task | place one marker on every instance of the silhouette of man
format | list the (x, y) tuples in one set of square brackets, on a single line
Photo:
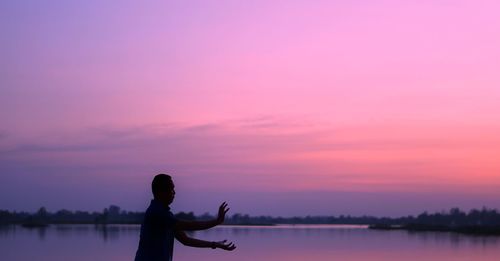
[(160, 226)]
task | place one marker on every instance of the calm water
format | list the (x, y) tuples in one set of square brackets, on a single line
[(119, 242)]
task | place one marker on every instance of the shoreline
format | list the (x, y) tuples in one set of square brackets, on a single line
[(468, 230)]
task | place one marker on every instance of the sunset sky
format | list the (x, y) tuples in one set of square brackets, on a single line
[(279, 107)]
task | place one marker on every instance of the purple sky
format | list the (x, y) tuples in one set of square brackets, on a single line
[(278, 107)]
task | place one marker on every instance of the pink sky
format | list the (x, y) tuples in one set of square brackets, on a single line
[(279, 107)]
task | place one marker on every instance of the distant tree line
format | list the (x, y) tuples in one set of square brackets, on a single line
[(475, 222), (111, 215), (114, 215)]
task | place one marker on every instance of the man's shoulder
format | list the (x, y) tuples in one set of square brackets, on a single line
[(157, 209)]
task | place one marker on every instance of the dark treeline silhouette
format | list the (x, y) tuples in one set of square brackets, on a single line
[(114, 215), (480, 222), (111, 215)]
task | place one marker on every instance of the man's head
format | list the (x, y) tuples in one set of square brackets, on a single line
[(163, 188)]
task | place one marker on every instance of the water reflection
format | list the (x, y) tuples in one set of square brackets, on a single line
[(119, 242), (114, 232), (6, 230), (105, 232), (453, 239)]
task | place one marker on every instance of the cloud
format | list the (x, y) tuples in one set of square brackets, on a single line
[(283, 157), (243, 153), (260, 137)]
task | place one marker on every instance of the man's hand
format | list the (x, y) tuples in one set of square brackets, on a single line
[(223, 245), (201, 225), (222, 213)]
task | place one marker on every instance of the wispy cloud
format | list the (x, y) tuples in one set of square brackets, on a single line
[(244, 152)]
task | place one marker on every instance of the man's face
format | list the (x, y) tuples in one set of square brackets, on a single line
[(170, 195), (167, 195)]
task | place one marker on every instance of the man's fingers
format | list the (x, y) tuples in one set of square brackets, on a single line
[(230, 246), (223, 205), (223, 209)]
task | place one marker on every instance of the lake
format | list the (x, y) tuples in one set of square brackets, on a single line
[(283, 242)]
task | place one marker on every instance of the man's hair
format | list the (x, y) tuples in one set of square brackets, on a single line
[(161, 182)]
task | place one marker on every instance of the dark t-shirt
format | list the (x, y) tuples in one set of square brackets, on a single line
[(157, 234)]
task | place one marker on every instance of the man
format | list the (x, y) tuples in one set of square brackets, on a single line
[(159, 226)]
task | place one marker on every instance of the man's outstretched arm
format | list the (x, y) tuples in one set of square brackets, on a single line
[(201, 225), (193, 242)]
